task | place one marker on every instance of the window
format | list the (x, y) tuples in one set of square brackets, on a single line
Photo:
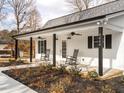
[(108, 40), (96, 41), (89, 42), (42, 46), (64, 49)]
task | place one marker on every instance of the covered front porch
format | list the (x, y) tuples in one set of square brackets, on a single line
[(95, 41)]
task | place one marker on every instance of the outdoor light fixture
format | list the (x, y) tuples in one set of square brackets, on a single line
[(102, 22), (73, 33)]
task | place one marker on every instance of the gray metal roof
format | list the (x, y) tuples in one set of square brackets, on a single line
[(105, 9)]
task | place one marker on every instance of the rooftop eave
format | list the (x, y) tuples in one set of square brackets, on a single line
[(59, 26)]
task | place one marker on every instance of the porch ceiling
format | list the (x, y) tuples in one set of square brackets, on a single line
[(63, 30), (80, 27)]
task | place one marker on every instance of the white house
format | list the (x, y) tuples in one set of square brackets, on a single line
[(97, 32)]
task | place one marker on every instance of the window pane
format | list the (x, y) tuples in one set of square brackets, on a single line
[(64, 49), (42, 47), (39, 51), (96, 41)]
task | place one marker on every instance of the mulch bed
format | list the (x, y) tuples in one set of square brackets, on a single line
[(41, 81)]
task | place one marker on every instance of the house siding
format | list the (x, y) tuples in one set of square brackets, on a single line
[(113, 58)]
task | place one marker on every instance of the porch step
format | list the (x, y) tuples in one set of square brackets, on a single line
[(111, 74)]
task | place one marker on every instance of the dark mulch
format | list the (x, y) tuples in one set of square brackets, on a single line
[(41, 80)]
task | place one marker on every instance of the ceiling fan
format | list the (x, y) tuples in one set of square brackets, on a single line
[(73, 33)]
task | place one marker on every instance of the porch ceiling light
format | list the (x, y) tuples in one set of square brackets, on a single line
[(103, 22)]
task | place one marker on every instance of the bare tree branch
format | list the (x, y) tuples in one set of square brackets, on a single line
[(21, 9), (79, 5), (2, 14), (34, 21)]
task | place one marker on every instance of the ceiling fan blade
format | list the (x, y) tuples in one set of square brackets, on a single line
[(79, 34)]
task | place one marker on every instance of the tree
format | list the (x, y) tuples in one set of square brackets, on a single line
[(79, 5), (34, 21), (21, 10), (2, 3)]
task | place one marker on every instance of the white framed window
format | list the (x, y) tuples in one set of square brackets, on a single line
[(42, 46), (64, 48)]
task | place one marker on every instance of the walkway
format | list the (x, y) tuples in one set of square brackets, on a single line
[(9, 85)]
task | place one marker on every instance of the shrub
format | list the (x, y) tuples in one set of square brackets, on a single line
[(57, 88), (122, 79), (75, 71), (93, 74), (41, 67), (61, 86), (49, 67), (62, 69), (29, 72), (107, 89)]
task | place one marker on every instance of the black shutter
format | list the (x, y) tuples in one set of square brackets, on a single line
[(39, 49), (89, 42), (45, 46), (108, 39)]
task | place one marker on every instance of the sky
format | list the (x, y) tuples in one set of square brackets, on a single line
[(48, 9)]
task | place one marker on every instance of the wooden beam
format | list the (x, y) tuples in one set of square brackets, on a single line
[(54, 49), (100, 59), (31, 47), (16, 49)]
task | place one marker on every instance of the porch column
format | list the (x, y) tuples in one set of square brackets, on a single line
[(16, 48), (100, 58), (31, 49), (54, 49)]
